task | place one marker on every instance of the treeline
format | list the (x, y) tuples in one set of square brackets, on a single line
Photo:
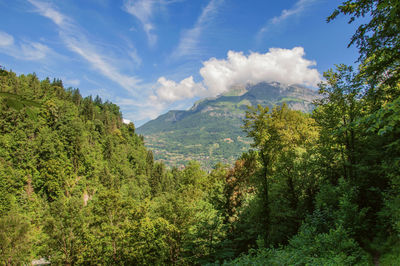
[(77, 186), (327, 186)]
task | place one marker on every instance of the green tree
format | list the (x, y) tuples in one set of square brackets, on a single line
[(378, 39), (337, 113), (275, 134), (64, 225), (15, 239)]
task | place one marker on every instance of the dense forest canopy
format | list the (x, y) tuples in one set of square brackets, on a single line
[(77, 186)]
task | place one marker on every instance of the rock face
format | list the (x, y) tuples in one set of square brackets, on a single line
[(210, 131)]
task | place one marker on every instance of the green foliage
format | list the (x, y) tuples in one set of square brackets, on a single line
[(64, 229), (210, 131), (18, 103), (281, 137), (378, 39), (81, 178), (77, 186), (15, 239), (310, 248), (346, 177), (392, 256)]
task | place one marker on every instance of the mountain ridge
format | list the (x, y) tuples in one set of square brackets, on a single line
[(210, 131)]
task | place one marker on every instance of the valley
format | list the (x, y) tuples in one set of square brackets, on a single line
[(210, 132)]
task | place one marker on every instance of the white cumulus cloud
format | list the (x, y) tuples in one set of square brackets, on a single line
[(286, 66), (126, 121), (170, 91)]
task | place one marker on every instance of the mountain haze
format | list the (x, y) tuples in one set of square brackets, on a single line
[(210, 131)]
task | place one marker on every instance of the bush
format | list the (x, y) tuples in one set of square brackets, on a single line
[(310, 248)]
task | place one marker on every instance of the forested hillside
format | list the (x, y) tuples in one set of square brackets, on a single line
[(78, 187), (211, 131)]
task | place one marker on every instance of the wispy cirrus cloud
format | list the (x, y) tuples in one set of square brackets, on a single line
[(71, 82), (33, 51), (76, 41), (23, 50), (188, 44), (6, 39), (297, 9), (143, 10), (46, 10), (142, 111), (133, 54)]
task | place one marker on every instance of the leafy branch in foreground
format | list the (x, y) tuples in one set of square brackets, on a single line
[(378, 40)]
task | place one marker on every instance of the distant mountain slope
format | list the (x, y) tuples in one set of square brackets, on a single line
[(210, 131)]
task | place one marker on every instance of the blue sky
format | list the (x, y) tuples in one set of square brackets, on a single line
[(150, 56)]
